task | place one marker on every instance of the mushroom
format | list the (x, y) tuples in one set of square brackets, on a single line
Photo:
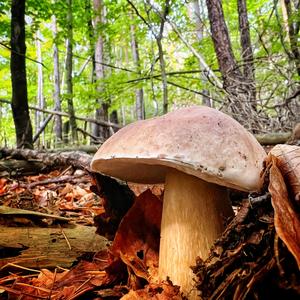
[(197, 152)]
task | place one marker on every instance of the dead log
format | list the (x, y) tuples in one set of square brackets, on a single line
[(273, 138), (90, 149), (10, 212), (76, 159), (13, 167), (38, 248)]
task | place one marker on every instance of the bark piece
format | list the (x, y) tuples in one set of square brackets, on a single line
[(49, 247)]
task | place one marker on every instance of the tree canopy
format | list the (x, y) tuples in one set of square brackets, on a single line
[(177, 62)]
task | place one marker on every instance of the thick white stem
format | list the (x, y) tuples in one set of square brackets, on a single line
[(193, 216)]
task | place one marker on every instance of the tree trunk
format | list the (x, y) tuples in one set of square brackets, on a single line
[(56, 93), (139, 93), (162, 63), (234, 82), (40, 90), (247, 54), (163, 75), (18, 76), (69, 76), (199, 33), (293, 30), (102, 110)]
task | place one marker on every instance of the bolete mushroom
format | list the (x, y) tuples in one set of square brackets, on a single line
[(197, 152)]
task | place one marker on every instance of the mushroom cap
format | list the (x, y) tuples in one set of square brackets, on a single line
[(197, 140)]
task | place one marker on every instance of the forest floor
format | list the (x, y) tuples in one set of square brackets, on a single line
[(68, 234)]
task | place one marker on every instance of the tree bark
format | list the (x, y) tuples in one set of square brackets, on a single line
[(69, 69), (18, 76), (234, 82), (247, 53)]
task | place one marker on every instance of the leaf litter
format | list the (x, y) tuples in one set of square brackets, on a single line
[(257, 257)]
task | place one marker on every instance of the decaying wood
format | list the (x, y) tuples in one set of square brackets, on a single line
[(273, 138), (13, 167), (38, 248), (75, 159), (90, 149), (9, 211)]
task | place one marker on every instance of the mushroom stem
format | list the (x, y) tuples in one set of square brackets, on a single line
[(193, 218)]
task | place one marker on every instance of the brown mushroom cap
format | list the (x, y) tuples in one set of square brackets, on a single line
[(198, 140)]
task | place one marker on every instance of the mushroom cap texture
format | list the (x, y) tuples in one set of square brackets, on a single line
[(197, 140)]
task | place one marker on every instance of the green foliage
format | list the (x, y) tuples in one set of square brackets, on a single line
[(270, 43)]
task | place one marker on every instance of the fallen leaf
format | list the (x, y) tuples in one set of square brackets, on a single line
[(286, 219), (162, 291), (3, 182), (288, 161), (137, 239)]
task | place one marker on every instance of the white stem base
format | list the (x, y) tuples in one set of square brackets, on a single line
[(193, 216)]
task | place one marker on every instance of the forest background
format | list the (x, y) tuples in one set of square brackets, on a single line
[(91, 67)]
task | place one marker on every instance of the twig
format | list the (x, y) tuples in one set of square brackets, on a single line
[(66, 238), (21, 54)]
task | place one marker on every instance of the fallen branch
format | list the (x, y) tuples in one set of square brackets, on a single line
[(76, 159), (273, 138)]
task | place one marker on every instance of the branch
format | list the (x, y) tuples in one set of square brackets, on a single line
[(63, 114), (208, 71), (141, 17), (21, 54)]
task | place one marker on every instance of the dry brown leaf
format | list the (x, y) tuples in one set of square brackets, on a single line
[(138, 189), (286, 219), (288, 161), (162, 291), (3, 182), (137, 239)]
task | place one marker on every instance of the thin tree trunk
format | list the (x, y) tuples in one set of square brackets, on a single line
[(40, 90), (69, 76), (139, 93), (293, 30), (162, 63), (56, 93), (102, 110), (163, 75), (18, 76), (247, 53), (199, 33)]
